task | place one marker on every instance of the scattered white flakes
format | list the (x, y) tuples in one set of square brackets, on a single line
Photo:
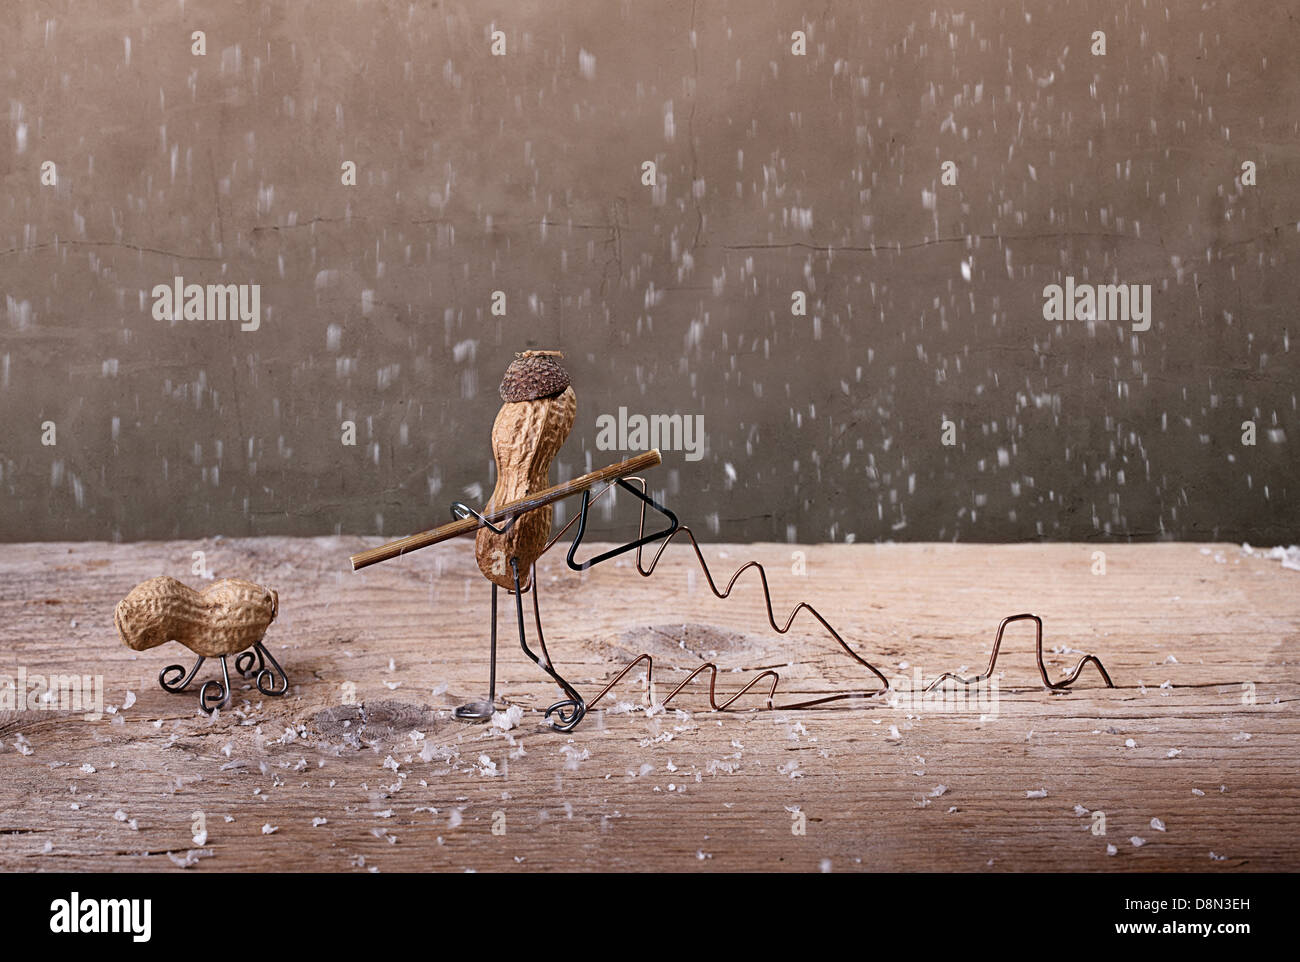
[(269, 829), (1173, 753), (573, 755), (1081, 811), (1197, 792), (1137, 841), (386, 813), (1036, 793), (190, 858), (1158, 824), (1130, 743), (702, 855), (1241, 737), (1171, 660), (453, 820), (952, 809), (938, 791), (392, 685), (508, 719), (670, 766), (1218, 858), (825, 866), (88, 769), (120, 815), (128, 701), (894, 734), (790, 768), (391, 762), (922, 803), (1111, 850), (226, 748), (486, 766), (201, 839), (318, 822)]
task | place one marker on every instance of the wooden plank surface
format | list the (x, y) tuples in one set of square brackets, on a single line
[(1200, 732)]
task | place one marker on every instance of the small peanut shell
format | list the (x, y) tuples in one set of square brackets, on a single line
[(224, 618)]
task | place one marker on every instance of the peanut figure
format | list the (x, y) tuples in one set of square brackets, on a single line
[(536, 415), (225, 618)]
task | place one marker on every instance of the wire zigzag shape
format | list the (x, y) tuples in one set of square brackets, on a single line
[(711, 667), (1065, 682)]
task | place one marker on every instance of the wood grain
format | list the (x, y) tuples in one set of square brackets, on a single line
[(1185, 631)]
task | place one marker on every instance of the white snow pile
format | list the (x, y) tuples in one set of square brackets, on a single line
[(1290, 557), (508, 719)]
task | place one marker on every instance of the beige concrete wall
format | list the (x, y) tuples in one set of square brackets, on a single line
[(522, 173)]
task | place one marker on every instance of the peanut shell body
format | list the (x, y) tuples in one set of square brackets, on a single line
[(525, 439), (225, 618)]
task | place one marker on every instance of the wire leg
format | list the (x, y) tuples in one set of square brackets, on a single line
[(483, 710), (220, 693), (571, 710), (244, 662), (492, 669), (176, 671), (266, 682)]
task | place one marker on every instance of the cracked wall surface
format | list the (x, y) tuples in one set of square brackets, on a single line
[(775, 174)]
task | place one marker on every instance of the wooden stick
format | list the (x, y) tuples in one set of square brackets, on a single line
[(395, 549)]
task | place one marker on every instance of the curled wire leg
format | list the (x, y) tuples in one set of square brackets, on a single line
[(220, 693), (571, 710), (244, 662), (177, 671), (266, 682), (1065, 682)]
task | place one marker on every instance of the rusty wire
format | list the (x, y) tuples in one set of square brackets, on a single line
[(1065, 682), (711, 667), (772, 674)]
